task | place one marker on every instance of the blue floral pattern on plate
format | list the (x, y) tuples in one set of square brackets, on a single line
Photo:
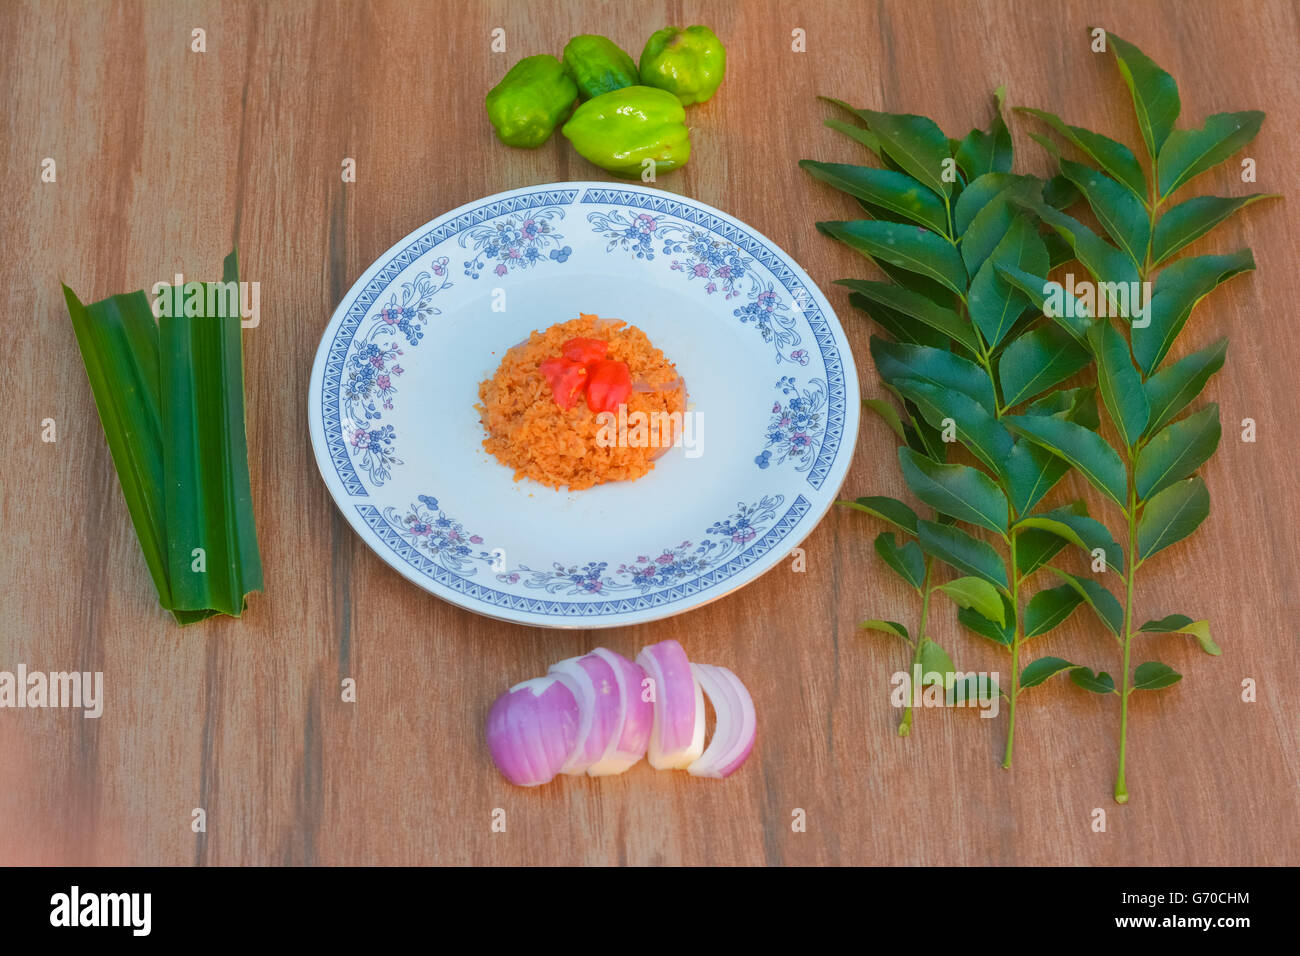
[(516, 242), (798, 421), (427, 527), (717, 263), (373, 367)]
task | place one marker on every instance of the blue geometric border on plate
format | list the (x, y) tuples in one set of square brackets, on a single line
[(665, 203), (413, 557)]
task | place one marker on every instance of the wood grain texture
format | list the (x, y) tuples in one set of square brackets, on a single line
[(167, 157)]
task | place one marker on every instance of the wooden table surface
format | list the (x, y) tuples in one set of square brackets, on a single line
[(166, 157)]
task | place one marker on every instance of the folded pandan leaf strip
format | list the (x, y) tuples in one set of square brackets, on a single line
[(171, 402)]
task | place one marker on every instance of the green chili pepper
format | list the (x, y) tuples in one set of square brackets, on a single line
[(620, 130), (598, 65), (530, 101), (688, 63)]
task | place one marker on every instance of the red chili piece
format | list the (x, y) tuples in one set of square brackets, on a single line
[(583, 369), (567, 380), (609, 383)]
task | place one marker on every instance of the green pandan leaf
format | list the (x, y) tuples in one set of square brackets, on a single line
[(961, 491), (170, 396), (1155, 94), (1172, 515), (1037, 360), (118, 339), (1188, 221), (960, 550), (895, 361), (906, 560), (896, 192), (1048, 609), (887, 509), (1084, 450), (1170, 389), (1178, 288), (914, 142), (209, 501), (887, 627), (974, 425), (1114, 157), (1176, 452), (1042, 670), (1182, 624), (887, 413), (1084, 532), (1119, 382), (1189, 152), (1099, 683), (1120, 213), (1105, 604), (978, 595), (918, 307), (1153, 676), (994, 303), (911, 248)]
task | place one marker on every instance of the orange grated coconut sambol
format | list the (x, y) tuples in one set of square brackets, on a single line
[(529, 429)]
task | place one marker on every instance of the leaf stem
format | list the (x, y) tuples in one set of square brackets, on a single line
[(1131, 559), (905, 726), (1121, 784), (1015, 655)]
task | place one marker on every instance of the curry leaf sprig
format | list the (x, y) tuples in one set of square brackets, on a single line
[(967, 349), (1150, 479)]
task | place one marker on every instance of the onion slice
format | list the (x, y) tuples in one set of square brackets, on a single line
[(677, 734), (532, 730), (635, 717), (736, 722), (592, 681)]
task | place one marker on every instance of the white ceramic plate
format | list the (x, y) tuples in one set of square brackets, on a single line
[(772, 387)]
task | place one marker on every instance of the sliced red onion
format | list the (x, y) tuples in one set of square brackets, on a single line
[(635, 717), (532, 729), (593, 683), (677, 735), (736, 722)]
